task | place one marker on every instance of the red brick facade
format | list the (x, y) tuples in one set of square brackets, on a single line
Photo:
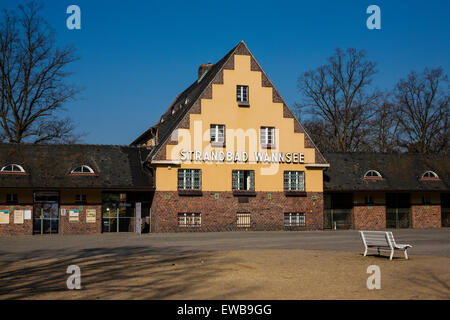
[(81, 226), (369, 217), (218, 211), (15, 229), (425, 216)]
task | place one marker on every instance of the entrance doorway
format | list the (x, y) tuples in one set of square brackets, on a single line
[(338, 214), (46, 213), (117, 214), (118, 218), (398, 213)]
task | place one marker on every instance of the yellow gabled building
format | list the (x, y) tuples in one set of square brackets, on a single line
[(230, 154)]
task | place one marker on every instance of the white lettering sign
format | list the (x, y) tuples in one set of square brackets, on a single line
[(260, 157)]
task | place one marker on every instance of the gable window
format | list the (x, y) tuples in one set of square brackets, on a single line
[(217, 135), (82, 170), (267, 137), (430, 175), (189, 179), (242, 95), (189, 220), (294, 181), (294, 219), (243, 180), (12, 198), (80, 199), (372, 174), (12, 168)]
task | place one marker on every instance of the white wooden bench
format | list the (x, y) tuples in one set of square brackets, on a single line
[(382, 241)]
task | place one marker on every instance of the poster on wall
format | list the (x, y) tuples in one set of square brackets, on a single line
[(18, 216), (4, 216), (73, 215), (27, 214), (91, 214)]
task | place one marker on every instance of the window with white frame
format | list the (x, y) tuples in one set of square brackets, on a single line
[(83, 169), (267, 136), (430, 174), (372, 174), (242, 93), (13, 168), (189, 219), (294, 181), (243, 180), (294, 219), (217, 133), (189, 179), (243, 220)]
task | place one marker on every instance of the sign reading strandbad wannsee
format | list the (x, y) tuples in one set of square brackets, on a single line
[(260, 157)]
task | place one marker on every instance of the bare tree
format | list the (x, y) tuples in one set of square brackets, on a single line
[(385, 128), (338, 94), (32, 71), (423, 107)]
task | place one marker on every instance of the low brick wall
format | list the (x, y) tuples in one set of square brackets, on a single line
[(15, 229), (369, 217), (218, 211), (425, 216), (81, 226)]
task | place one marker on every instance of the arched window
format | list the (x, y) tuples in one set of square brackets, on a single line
[(13, 168), (372, 174), (82, 170), (430, 175)]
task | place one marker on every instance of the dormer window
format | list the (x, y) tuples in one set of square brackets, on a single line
[(13, 168), (242, 95), (373, 174), (430, 175), (83, 170)]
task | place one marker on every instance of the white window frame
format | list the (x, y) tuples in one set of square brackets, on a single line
[(297, 179), (214, 133), (266, 134), (84, 169), (243, 219), (16, 168), (246, 179), (189, 219), (432, 173), (296, 219), (377, 174), (192, 186), (240, 96)]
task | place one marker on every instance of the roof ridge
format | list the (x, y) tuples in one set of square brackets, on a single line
[(217, 67)]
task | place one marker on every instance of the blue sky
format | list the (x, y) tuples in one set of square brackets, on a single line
[(136, 56)]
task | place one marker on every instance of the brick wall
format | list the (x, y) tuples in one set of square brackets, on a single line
[(425, 216), (220, 214), (369, 217), (81, 226), (13, 229)]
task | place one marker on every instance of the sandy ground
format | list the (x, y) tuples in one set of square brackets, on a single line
[(249, 274)]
